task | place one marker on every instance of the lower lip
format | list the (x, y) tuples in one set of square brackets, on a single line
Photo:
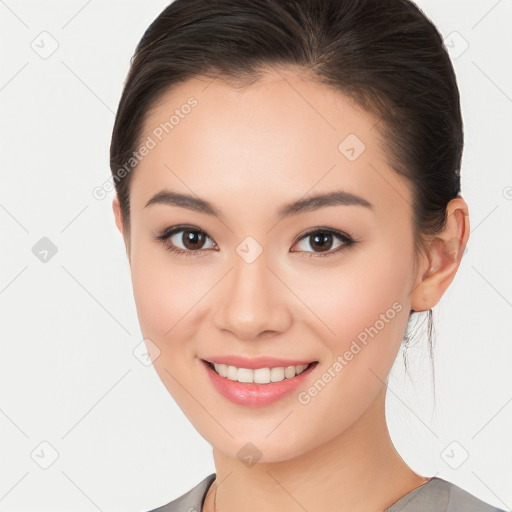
[(255, 395)]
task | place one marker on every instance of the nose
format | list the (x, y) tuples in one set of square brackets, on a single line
[(253, 303)]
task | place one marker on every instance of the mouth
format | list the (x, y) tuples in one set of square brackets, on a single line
[(258, 387)]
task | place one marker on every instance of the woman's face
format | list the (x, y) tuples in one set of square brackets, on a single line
[(257, 283)]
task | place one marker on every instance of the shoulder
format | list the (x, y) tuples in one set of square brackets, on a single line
[(191, 501), (439, 495)]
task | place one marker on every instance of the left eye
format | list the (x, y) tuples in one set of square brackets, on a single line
[(323, 239)]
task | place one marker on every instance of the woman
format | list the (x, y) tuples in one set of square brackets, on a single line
[(288, 189)]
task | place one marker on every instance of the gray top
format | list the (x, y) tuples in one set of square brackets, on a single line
[(437, 495)]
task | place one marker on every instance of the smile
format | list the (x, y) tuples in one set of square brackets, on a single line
[(257, 387), (259, 375)]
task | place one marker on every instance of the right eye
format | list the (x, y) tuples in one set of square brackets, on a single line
[(191, 238)]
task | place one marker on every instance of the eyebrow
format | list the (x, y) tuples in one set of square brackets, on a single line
[(309, 204)]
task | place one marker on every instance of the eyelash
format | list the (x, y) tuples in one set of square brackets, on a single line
[(347, 240)]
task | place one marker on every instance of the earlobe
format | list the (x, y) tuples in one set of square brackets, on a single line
[(443, 258)]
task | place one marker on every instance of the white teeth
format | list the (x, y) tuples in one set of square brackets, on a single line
[(277, 374), (260, 375)]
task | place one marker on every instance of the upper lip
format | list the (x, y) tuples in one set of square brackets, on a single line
[(255, 362)]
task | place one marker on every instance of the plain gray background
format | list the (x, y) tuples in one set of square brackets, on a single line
[(85, 425)]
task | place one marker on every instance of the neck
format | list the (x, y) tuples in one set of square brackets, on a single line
[(359, 470)]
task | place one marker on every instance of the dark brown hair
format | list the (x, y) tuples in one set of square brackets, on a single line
[(386, 55)]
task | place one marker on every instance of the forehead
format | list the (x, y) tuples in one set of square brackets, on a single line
[(273, 140)]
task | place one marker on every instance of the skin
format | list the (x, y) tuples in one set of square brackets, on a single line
[(249, 151)]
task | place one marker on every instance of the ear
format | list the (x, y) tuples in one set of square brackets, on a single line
[(116, 207), (443, 257)]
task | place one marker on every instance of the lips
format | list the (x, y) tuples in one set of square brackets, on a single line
[(257, 395)]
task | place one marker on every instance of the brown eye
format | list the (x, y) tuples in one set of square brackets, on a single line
[(193, 240), (322, 241), (185, 240)]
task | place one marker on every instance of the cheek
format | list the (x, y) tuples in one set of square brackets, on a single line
[(362, 308), (151, 292), (365, 289), (168, 300), (164, 292)]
